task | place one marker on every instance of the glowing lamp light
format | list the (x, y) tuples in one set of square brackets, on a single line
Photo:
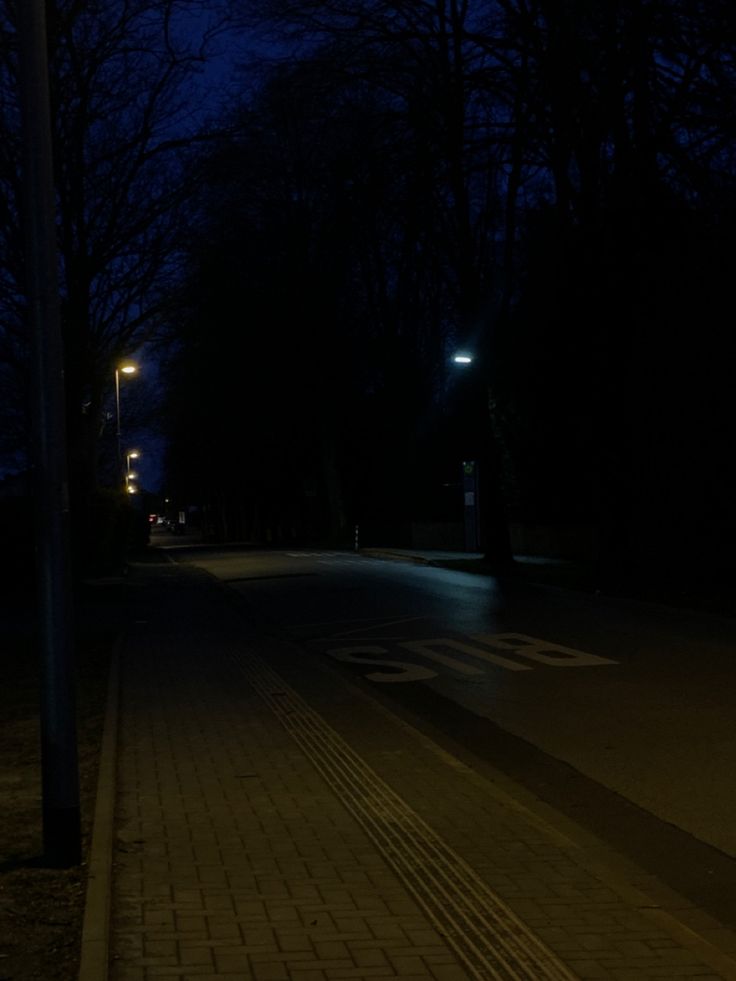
[(463, 359), (132, 489), (128, 369)]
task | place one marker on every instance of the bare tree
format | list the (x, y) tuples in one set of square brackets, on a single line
[(126, 116), (537, 171)]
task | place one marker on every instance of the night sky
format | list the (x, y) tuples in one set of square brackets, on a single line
[(296, 232)]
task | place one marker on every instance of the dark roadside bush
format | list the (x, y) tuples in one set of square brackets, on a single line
[(107, 532), (103, 536)]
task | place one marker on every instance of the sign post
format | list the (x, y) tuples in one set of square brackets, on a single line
[(471, 517)]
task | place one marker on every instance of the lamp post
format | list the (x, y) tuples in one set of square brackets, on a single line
[(486, 524), (126, 368), (471, 524), (129, 475), (59, 765)]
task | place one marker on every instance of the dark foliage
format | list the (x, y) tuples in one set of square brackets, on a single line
[(548, 184), (551, 184)]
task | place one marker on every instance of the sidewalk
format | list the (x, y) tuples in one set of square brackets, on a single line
[(274, 823)]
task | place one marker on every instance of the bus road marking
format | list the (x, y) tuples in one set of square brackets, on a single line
[(540, 652)]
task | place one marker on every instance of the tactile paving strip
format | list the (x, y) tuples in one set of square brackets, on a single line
[(487, 937)]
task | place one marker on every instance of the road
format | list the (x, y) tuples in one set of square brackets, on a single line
[(618, 714)]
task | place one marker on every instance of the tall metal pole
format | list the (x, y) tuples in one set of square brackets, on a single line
[(60, 772), (117, 426)]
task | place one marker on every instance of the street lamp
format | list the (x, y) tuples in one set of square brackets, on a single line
[(486, 524), (130, 455), (125, 368), (469, 479)]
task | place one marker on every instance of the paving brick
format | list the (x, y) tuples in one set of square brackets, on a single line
[(271, 971), (179, 971), (223, 928), (220, 976), (231, 959), (331, 950), (128, 972), (160, 948), (188, 924), (369, 957), (589, 970), (282, 913), (192, 953), (219, 902), (317, 919), (158, 918), (291, 942), (448, 972), (386, 929), (594, 941), (674, 972), (353, 973), (635, 948), (673, 956), (237, 858), (253, 909), (424, 937)]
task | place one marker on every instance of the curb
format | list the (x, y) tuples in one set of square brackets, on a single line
[(94, 950), (389, 556)]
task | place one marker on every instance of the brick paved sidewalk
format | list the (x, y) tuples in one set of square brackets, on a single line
[(274, 823)]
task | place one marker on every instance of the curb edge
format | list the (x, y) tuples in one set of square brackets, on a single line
[(94, 949)]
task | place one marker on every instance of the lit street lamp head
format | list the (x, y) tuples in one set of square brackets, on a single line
[(462, 358)]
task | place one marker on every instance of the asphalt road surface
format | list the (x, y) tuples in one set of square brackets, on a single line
[(616, 713)]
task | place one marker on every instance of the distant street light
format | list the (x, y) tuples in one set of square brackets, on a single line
[(471, 517), (129, 475), (486, 524), (126, 368)]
